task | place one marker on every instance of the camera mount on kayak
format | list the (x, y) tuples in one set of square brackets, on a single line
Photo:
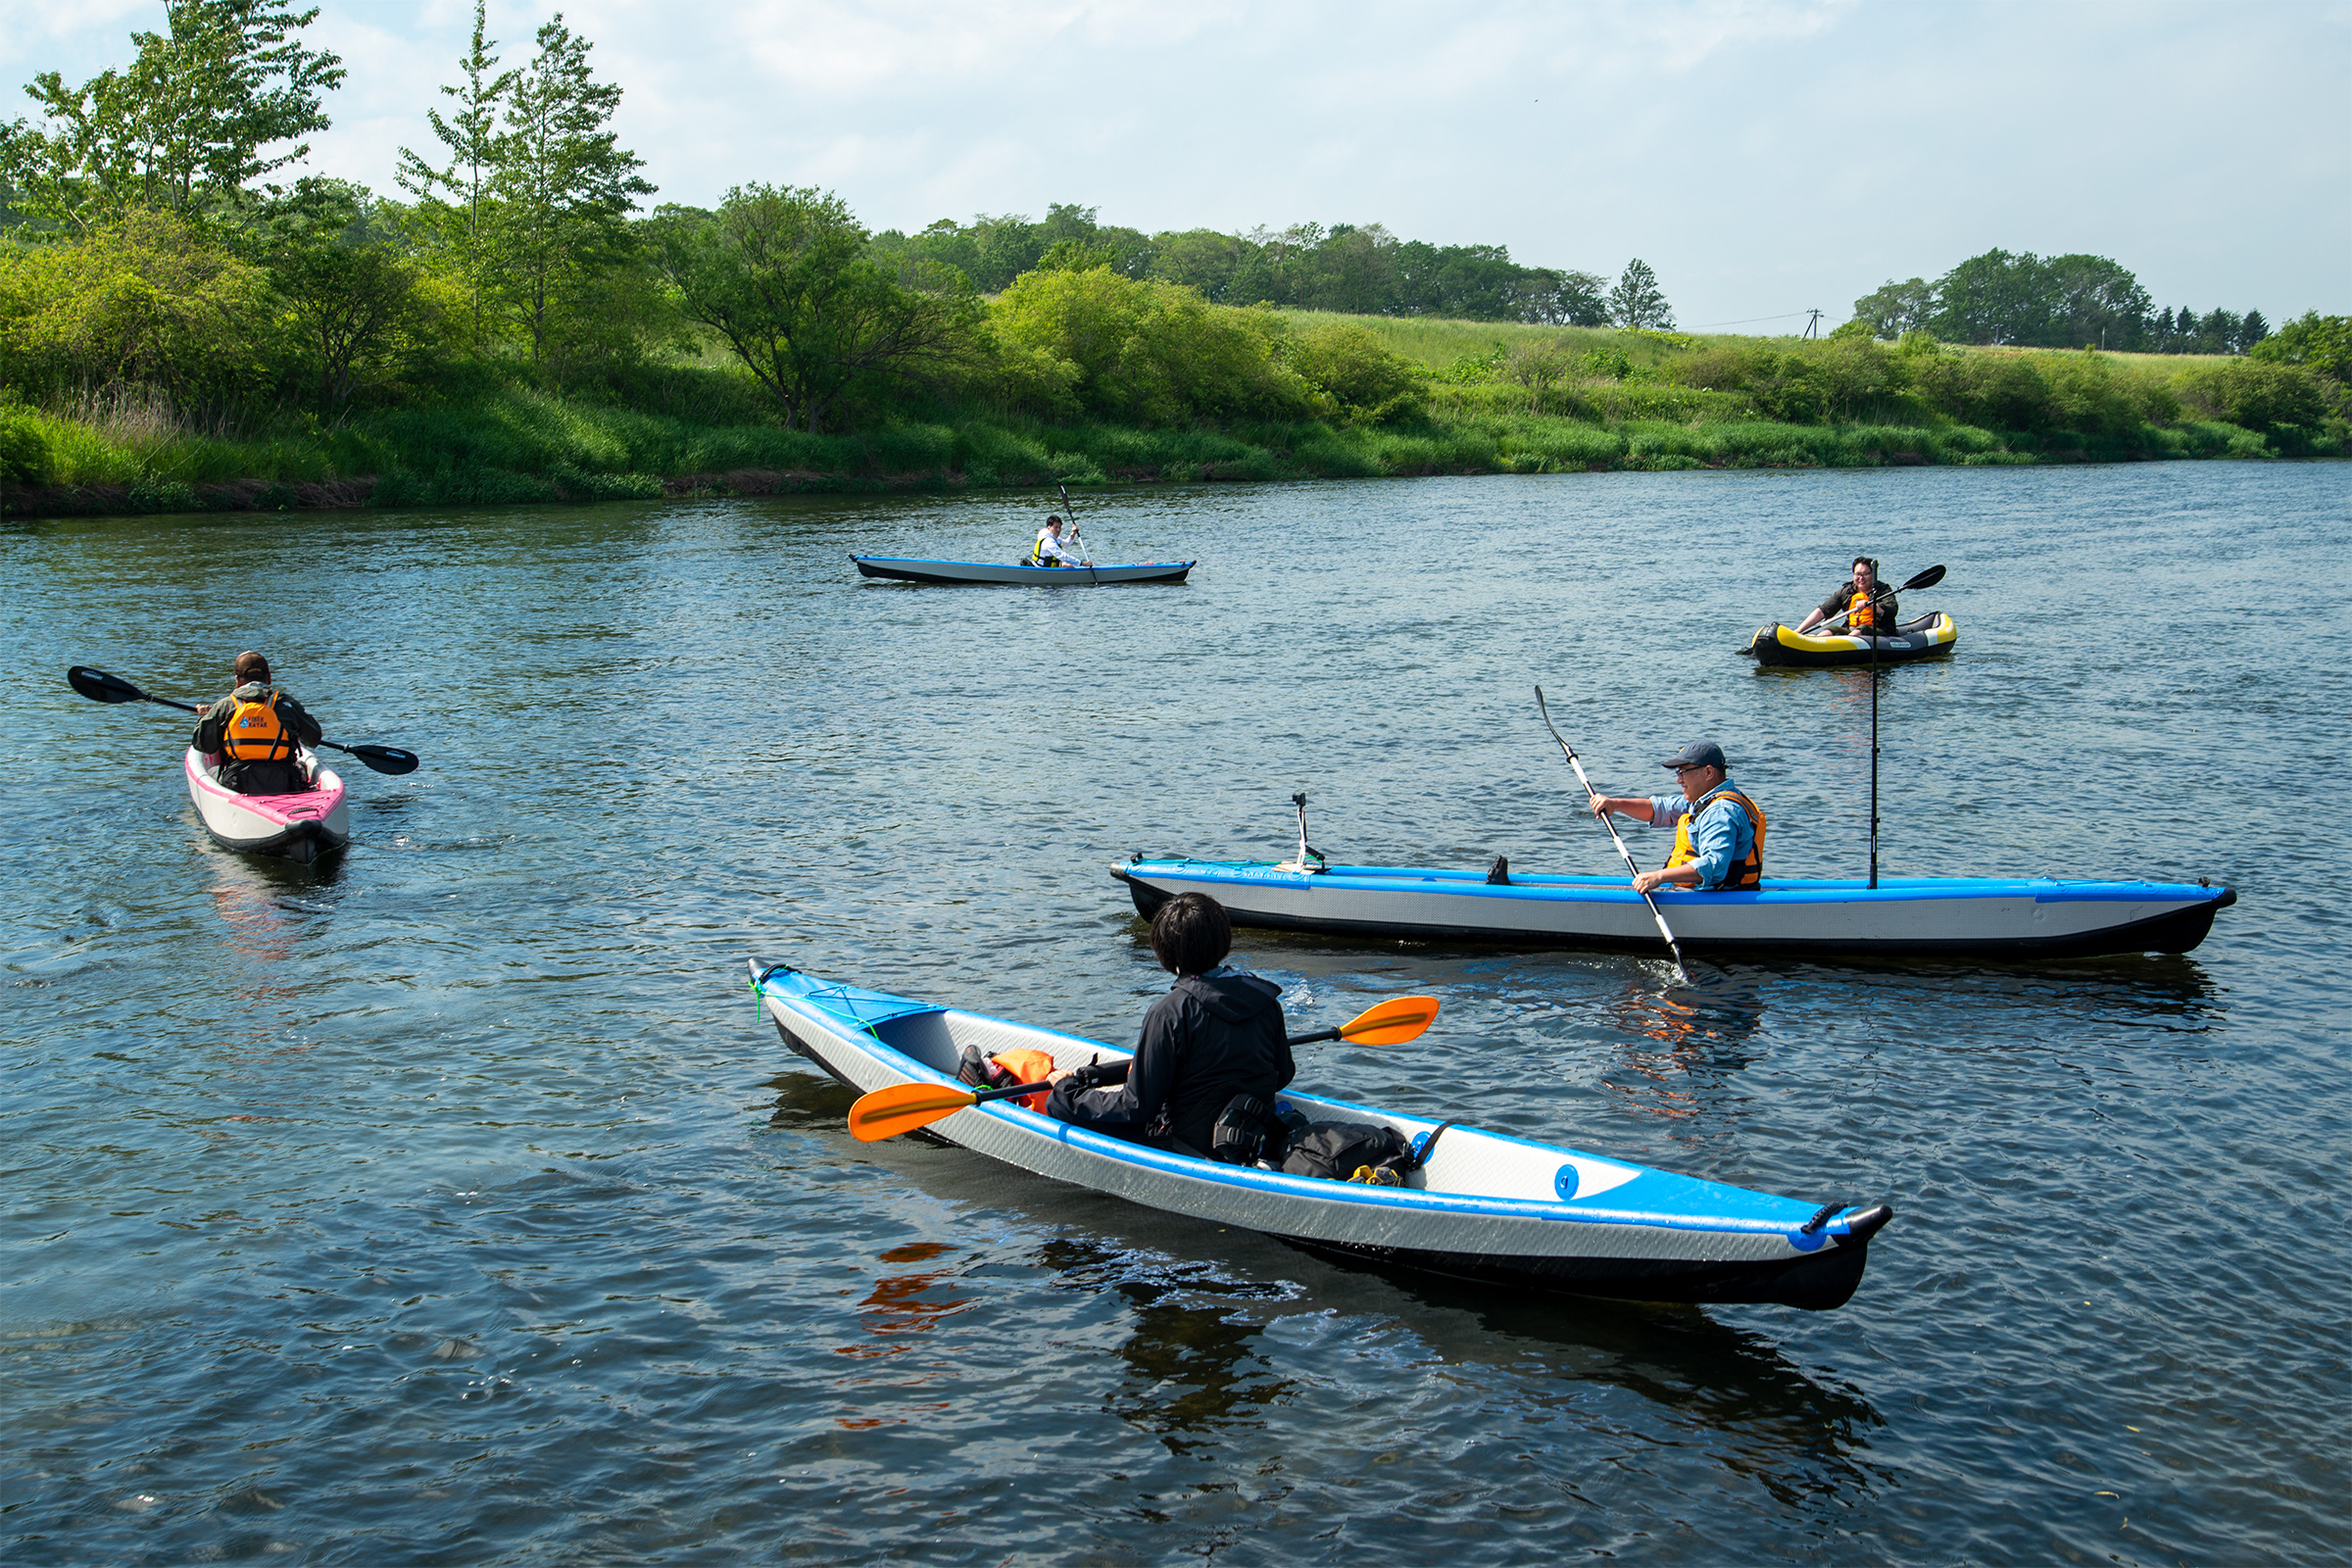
[(1310, 860)]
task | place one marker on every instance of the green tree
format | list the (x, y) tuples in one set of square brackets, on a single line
[(1896, 308), (2322, 342), (1145, 352), (1360, 375), (565, 189), (2274, 398), (1995, 298), (186, 127), (2097, 303), (784, 275), (462, 224), (144, 300), (1638, 302)]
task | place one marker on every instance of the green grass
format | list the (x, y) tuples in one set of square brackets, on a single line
[(497, 442)]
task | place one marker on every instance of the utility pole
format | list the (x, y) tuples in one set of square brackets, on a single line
[(1812, 324)]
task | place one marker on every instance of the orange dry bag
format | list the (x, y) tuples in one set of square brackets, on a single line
[(1024, 1066)]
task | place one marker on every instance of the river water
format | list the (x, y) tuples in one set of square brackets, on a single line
[(453, 1205)]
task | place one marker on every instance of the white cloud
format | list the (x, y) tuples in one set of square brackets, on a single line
[(1762, 157)]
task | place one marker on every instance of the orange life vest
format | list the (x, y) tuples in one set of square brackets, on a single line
[(1026, 1066), (254, 732), (1739, 876), (1860, 616)]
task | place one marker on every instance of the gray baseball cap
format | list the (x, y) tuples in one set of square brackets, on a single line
[(1699, 754)]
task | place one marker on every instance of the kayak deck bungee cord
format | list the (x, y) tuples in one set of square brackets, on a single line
[(1483, 1206)]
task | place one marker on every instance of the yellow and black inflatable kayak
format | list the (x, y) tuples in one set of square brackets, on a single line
[(1928, 637)]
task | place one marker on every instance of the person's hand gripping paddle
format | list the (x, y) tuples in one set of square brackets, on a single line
[(1622, 853), (100, 687), (903, 1108)]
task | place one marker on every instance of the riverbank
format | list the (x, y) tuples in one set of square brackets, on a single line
[(1620, 402)]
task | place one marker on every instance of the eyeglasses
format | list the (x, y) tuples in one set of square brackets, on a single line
[(1692, 767)]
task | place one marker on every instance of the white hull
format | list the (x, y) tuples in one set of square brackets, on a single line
[(1485, 1206), (2021, 917), (295, 827)]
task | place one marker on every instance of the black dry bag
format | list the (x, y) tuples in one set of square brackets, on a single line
[(1335, 1149)]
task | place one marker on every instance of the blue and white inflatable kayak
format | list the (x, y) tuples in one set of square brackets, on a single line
[(1484, 1206), (902, 569), (2012, 917)]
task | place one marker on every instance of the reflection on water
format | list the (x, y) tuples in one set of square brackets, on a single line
[(497, 1257), (1192, 1365)]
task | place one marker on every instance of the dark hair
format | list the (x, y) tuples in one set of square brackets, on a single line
[(1052, 522), (250, 665), (1866, 560), (1190, 935)]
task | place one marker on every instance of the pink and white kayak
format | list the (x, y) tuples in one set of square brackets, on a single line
[(296, 827)]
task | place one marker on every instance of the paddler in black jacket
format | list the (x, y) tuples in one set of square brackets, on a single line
[(1869, 607), (254, 729), (1216, 1034)]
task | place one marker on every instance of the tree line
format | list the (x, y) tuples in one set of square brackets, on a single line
[(2060, 302), (155, 242), (1349, 269), (152, 246)]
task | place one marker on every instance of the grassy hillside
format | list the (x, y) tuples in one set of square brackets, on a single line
[(1622, 401)]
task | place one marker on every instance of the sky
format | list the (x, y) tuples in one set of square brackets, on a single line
[(1763, 158)]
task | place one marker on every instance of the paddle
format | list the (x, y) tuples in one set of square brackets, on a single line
[(903, 1108), (1925, 579), (1086, 550), (100, 687), (1623, 853)]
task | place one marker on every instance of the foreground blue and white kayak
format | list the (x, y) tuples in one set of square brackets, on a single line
[(1483, 1207), (2014, 917), (902, 569)]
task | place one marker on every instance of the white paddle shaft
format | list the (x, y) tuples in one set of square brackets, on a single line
[(1623, 853)]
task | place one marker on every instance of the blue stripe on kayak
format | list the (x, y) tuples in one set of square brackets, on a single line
[(1683, 1202), (1536, 888)]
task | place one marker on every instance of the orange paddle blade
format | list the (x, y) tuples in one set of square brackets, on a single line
[(903, 1108), (1392, 1022)]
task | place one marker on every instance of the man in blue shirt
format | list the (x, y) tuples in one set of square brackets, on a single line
[(1718, 832)]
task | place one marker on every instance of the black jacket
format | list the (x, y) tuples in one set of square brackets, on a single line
[(1210, 1038), (1884, 608), (258, 779)]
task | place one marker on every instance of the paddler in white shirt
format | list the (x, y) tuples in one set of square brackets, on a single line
[(1049, 550)]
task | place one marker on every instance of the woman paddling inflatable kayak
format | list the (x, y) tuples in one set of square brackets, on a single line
[(1857, 625), (280, 800), (1470, 1205)]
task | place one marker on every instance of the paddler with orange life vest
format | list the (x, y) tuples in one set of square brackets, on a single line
[(1868, 608), (254, 730), (1718, 832)]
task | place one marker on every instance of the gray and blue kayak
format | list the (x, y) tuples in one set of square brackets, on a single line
[(1992, 917), (1483, 1206), (902, 569)]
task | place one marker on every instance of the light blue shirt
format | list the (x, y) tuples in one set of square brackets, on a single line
[(1721, 835)]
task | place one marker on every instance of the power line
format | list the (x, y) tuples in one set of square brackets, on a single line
[(1789, 316)]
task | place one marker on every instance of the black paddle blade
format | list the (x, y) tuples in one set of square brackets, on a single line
[(1925, 579), (383, 759), (100, 687)]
